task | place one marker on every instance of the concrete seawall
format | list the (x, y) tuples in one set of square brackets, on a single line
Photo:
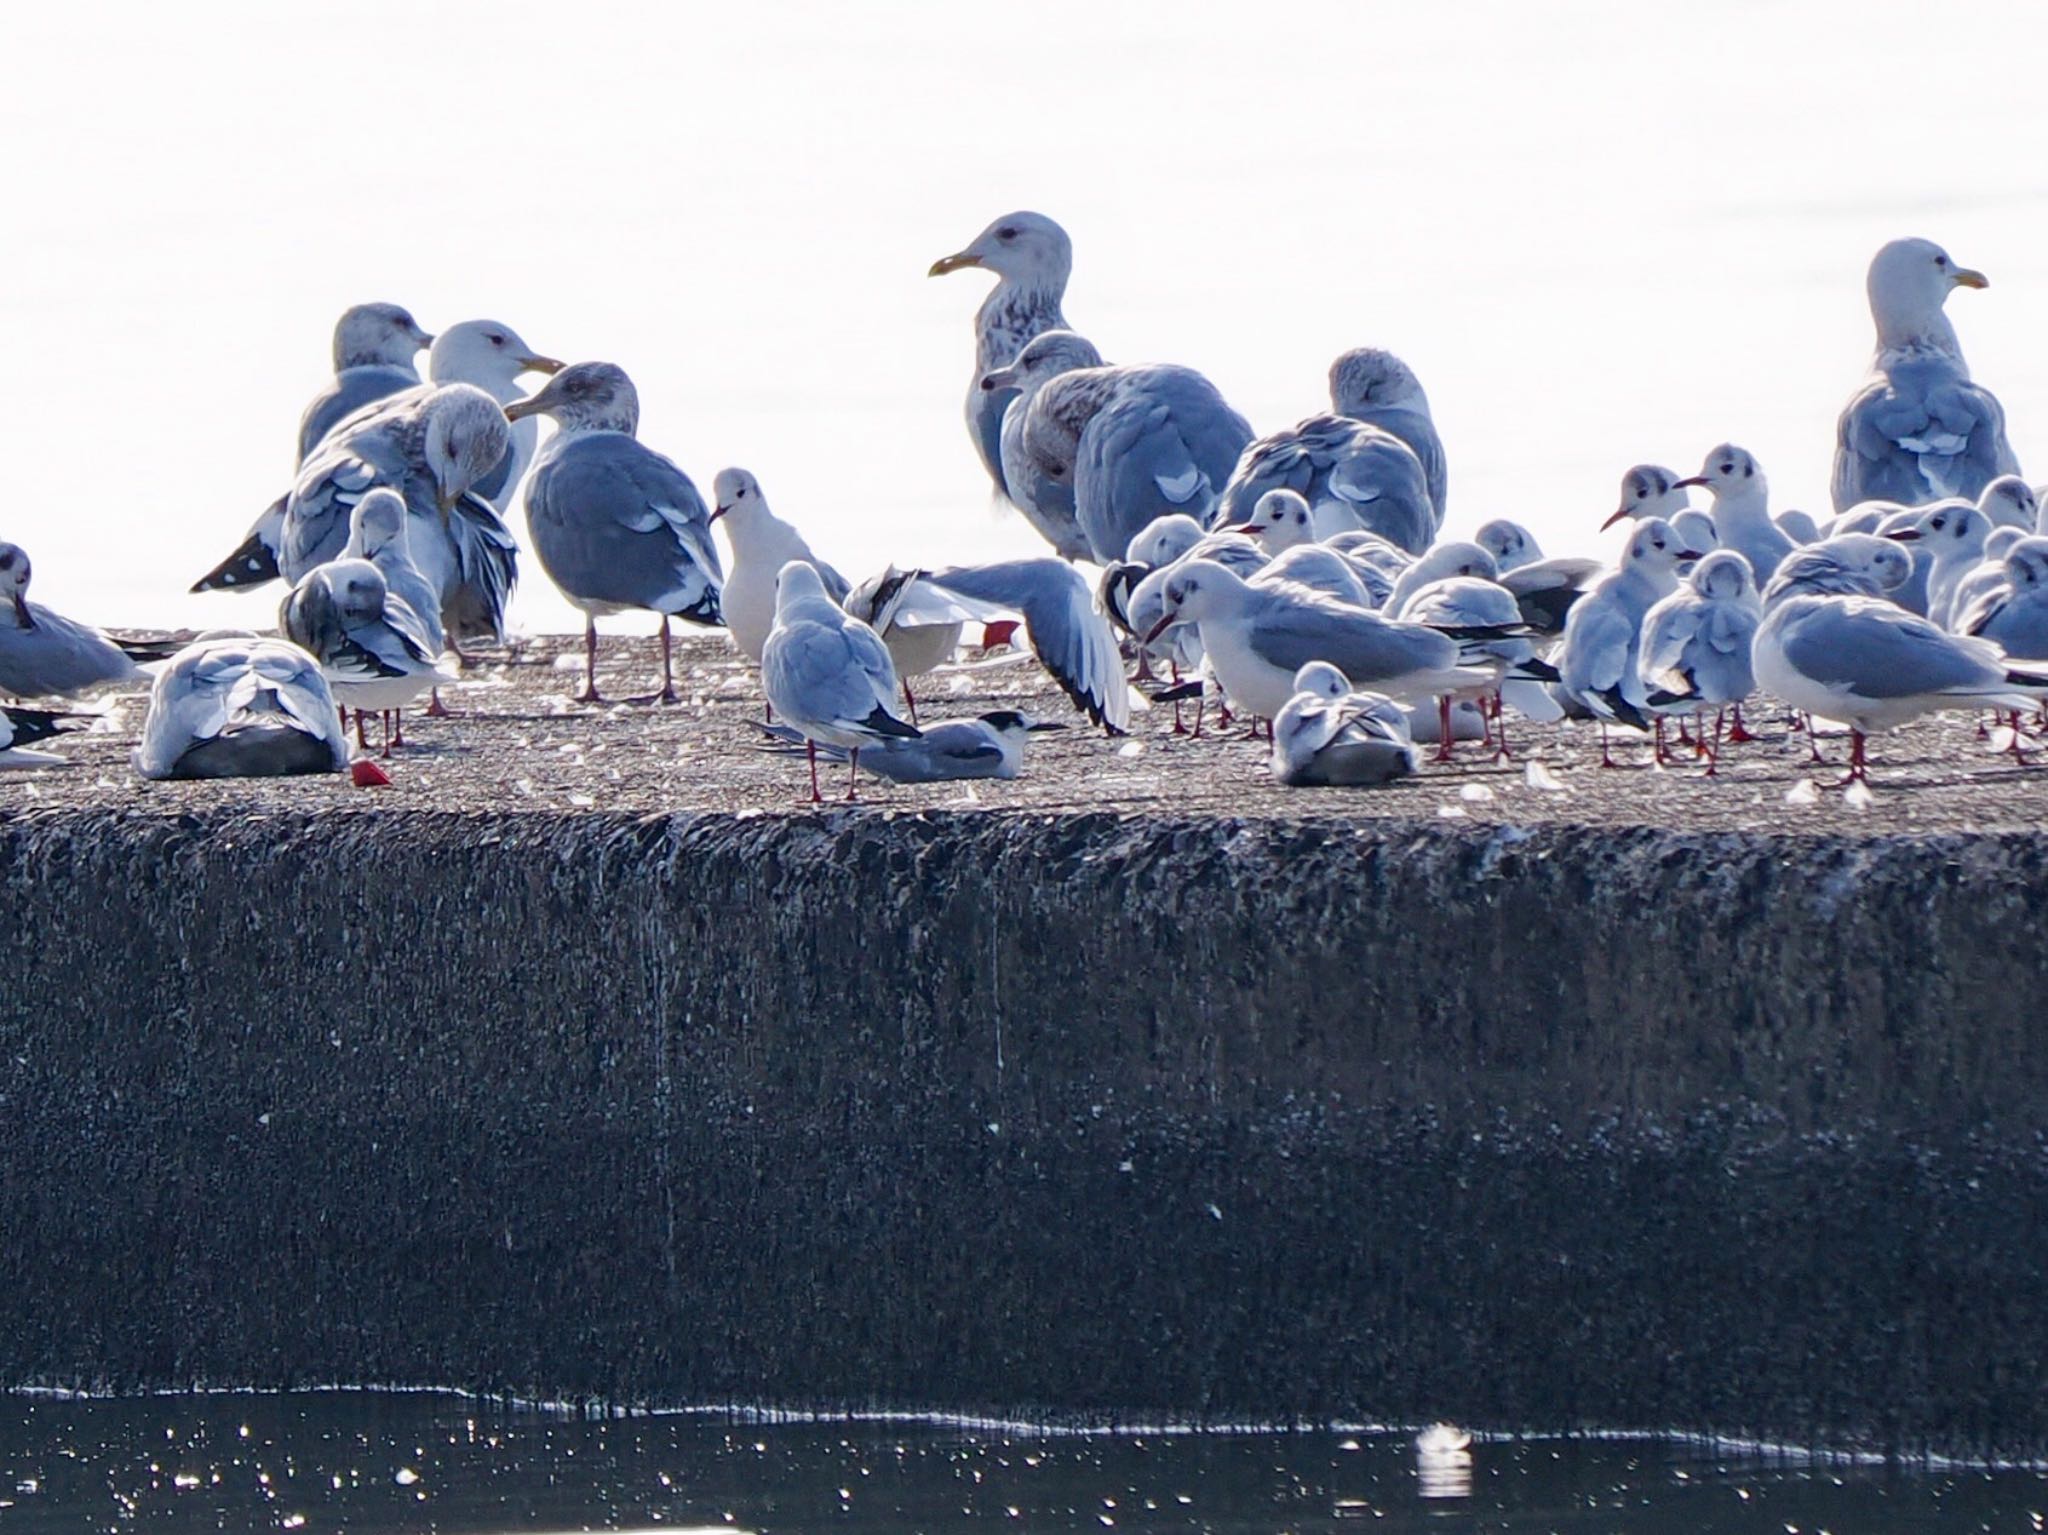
[(1548, 1128)]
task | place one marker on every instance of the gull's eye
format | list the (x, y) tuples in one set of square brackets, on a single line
[(1007, 232), (495, 340), (1727, 468), (1941, 261)]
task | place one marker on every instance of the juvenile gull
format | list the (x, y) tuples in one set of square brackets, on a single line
[(1352, 475), (1045, 499), (1031, 257), (1830, 645), (1372, 385), (762, 543), (374, 347), (827, 673), (240, 707), (616, 526), (44, 654), (1326, 735), (1919, 429)]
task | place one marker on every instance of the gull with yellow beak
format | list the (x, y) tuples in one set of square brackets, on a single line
[(1919, 430), (1031, 257)]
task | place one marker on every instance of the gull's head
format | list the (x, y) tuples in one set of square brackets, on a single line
[(14, 575), (1163, 540), (377, 523), (586, 397), (798, 586), (1014, 724), (2009, 501), (1648, 490), (1026, 249), (1047, 355), (466, 436), (1847, 565), (1510, 544), (357, 588), (1323, 680), (1947, 528), (485, 353), (1196, 589), (2026, 564), (1371, 378), (1909, 282), (1280, 520), (1724, 574), (736, 493), (1729, 471), (1455, 557), (1656, 549), (377, 335)]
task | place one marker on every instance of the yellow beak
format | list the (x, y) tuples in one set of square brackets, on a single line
[(1963, 277), (539, 364), (953, 263)]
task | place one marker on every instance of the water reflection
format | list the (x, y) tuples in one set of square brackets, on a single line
[(417, 1463)]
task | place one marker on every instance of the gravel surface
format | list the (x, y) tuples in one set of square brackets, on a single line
[(519, 743)]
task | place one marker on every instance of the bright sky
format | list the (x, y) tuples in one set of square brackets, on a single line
[(1600, 234)]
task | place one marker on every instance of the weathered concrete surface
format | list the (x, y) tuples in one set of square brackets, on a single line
[(1135, 1086)]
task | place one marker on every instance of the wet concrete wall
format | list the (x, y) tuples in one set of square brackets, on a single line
[(1545, 1129)]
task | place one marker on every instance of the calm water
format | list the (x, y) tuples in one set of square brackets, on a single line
[(430, 1462)]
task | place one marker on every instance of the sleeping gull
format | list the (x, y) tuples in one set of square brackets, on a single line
[(240, 707), (1919, 429), (1031, 257), (1742, 517), (988, 746), (44, 653), (616, 526), (374, 650), (1597, 663), (1374, 386), (1327, 735), (1989, 575), (1257, 638), (827, 673), (762, 543), (1695, 651), (1135, 443), (1352, 475), (1070, 637), (1830, 645), (1045, 499), (2013, 614), (431, 446), (1440, 562), (21, 729)]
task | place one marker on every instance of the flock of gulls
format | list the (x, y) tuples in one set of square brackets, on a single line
[(1303, 576)]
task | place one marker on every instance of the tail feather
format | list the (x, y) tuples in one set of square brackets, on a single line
[(252, 564)]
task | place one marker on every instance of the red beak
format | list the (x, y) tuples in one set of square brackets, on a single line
[(718, 514), (1160, 628), (1698, 479), (1613, 517), (1906, 535)]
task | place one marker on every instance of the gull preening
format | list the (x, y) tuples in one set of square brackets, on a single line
[(1372, 385), (376, 653)]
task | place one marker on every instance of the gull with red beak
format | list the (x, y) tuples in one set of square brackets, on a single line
[(1031, 257), (616, 526), (1742, 514), (1651, 490), (1919, 429)]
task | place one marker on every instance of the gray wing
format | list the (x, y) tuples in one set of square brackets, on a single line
[(352, 389), (1366, 648), (1599, 645), (948, 750), (833, 675), (240, 707), (1069, 634), (1877, 650), (1416, 429), (58, 655), (315, 524), (1047, 501), (486, 570), (1917, 434), (1668, 628), (985, 411), (2018, 625), (254, 561), (613, 521), (1165, 442)]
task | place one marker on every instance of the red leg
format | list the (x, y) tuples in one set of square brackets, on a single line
[(811, 749), (1606, 754), (590, 694), (1443, 727), (436, 710), (668, 685), (384, 730), (398, 728), (1740, 733), (361, 740), (909, 702)]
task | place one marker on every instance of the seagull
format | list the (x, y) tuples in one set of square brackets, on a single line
[(827, 673), (1326, 735), (1742, 518), (2010, 502), (616, 526), (1256, 638), (1695, 649), (374, 347), (1919, 429), (1831, 645), (44, 654), (377, 532), (1651, 490), (1352, 475), (482, 353), (21, 729), (1989, 574), (1953, 534), (1068, 634), (1798, 526), (2013, 614), (988, 746), (1376, 387), (240, 707), (1440, 562), (1283, 526), (1544, 588), (1045, 499), (1135, 442), (1597, 663), (432, 446), (1031, 257), (762, 543), (374, 650)]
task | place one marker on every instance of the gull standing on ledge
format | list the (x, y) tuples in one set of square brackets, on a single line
[(827, 673), (616, 526), (1919, 430), (374, 650), (762, 543), (1031, 257)]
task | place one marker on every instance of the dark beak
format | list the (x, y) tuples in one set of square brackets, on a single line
[(1698, 479), (718, 514), (22, 613), (1693, 554), (1905, 535), (1046, 725), (1613, 517), (1160, 628)]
